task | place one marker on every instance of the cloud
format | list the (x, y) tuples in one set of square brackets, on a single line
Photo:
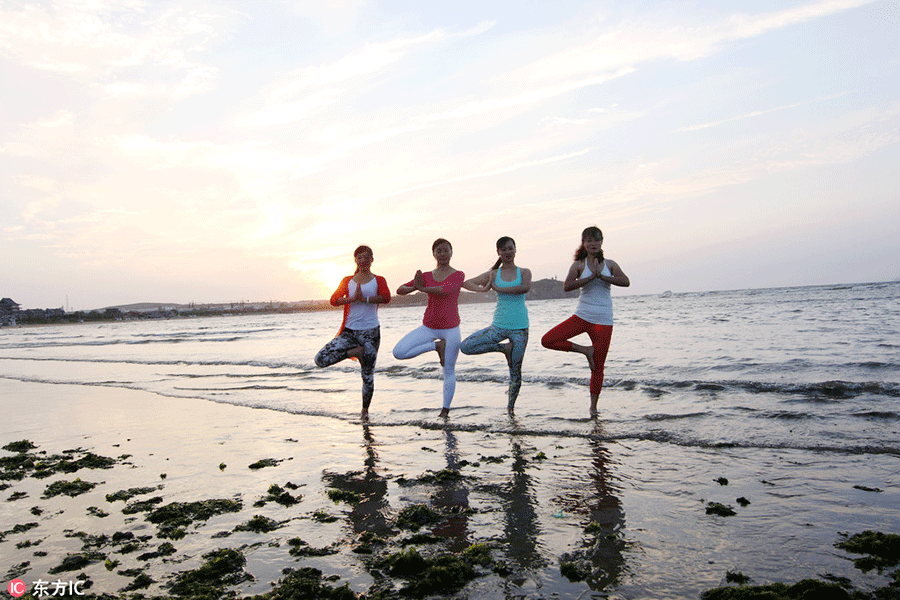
[(758, 113), (102, 43)]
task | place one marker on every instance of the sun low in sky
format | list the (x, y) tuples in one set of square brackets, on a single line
[(179, 151)]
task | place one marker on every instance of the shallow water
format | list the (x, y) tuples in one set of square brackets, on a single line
[(791, 394)]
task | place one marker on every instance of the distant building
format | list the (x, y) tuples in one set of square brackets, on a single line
[(9, 312)]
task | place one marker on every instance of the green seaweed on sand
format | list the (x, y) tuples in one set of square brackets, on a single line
[(260, 524), (88, 540), (807, 589), (493, 459), (344, 496), (306, 584), (223, 567), (68, 488), (21, 528), (440, 574), (265, 462), (719, 509), (96, 512), (140, 582), (172, 518), (883, 550), (279, 495), (77, 561), (302, 548), (736, 577), (130, 493), (368, 542), (20, 446), (415, 516), (141, 505), (323, 517), (164, 549), (442, 476), (89, 460)]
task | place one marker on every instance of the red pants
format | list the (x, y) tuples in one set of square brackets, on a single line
[(558, 339)]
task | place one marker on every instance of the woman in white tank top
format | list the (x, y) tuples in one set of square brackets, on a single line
[(593, 275)]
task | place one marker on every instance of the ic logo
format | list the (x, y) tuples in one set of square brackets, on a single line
[(17, 588)]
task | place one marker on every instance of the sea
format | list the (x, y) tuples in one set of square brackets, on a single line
[(787, 399)]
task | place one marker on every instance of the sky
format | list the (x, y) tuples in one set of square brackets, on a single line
[(198, 151)]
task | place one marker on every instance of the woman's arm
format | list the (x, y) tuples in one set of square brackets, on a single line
[(339, 297), (410, 286), (384, 293), (572, 281), (479, 283), (617, 276), (418, 285)]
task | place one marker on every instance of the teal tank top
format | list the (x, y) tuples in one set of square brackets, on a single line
[(510, 312)]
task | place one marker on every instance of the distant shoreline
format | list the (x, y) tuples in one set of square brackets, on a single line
[(544, 289)]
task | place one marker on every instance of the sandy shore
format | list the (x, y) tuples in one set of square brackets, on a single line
[(134, 493)]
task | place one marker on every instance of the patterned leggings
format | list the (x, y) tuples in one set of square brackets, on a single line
[(558, 339), (336, 350), (488, 340)]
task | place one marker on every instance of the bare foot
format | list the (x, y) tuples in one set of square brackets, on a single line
[(506, 349), (364, 415), (440, 346), (588, 352), (594, 399), (445, 412)]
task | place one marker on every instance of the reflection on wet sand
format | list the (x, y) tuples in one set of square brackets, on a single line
[(598, 560), (371, 512)]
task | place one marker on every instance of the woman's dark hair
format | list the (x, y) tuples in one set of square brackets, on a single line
[(592, 233), (359, 250), (440, 241), (500, 243)]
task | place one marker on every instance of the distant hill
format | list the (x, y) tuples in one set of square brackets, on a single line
[(143, 306)]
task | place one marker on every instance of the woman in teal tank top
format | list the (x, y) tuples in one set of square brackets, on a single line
[(509, 331)]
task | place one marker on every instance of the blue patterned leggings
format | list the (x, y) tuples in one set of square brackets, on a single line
[(336, 350), (488, 340)]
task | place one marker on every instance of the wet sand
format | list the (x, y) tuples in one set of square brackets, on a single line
[(549, 512)]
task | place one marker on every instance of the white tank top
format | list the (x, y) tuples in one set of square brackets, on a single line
[(362, 316), (595, 301)]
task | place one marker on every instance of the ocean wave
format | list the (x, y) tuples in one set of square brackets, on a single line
[(822, 391)]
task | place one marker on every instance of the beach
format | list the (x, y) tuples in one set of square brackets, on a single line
[(271, 461)]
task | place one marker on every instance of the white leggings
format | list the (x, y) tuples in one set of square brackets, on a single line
[(422, 340)]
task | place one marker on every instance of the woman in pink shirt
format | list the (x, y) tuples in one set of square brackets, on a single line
[(440, 326)]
